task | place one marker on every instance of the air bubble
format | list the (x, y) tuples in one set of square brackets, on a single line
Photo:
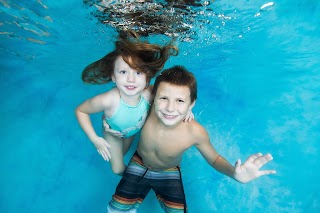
[(267, 6)]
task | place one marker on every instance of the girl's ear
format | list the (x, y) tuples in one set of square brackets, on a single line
[(113, 79)]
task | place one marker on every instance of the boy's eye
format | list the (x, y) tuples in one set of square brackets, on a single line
[(181, 101), (163, 98)]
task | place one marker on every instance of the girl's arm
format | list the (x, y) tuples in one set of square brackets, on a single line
[(147, 94), (96, 104)]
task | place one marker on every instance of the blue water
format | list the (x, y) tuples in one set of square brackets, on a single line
[(259, 83)]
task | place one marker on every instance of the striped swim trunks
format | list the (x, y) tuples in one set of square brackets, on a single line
[(136, 183)]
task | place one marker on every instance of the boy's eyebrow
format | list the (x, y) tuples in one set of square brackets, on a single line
[(160, 94)]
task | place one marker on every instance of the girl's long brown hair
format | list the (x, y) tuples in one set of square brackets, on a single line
[(142, 56)]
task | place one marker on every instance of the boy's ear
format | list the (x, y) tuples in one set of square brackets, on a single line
[(192, 105)]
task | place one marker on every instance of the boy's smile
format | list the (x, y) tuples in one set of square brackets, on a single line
[(172, 103)]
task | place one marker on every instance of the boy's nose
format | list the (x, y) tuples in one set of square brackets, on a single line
[(170, 107)]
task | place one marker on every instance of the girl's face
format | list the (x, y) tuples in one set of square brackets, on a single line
[(130, 82)]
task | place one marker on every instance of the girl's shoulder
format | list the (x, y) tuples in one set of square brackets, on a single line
[(111, 96), (114, 92)]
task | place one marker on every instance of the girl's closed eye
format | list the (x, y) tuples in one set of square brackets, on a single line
[(180, 101)]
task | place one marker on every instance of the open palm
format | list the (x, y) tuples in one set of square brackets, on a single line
[(250, 170)]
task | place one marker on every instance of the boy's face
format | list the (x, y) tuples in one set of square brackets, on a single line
[(171, 103)]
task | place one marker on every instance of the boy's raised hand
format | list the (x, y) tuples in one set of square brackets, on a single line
[(250, 169)]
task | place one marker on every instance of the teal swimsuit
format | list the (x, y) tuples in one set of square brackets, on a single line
[(129, 119)]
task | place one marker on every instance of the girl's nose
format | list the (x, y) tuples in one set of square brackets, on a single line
[(130, 77)]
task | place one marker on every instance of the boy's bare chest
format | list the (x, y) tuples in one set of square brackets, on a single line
[(169, 143)]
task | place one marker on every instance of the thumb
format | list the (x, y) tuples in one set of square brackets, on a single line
[(238, 163)]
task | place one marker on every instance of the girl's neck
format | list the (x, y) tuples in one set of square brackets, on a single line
[(131, 100)]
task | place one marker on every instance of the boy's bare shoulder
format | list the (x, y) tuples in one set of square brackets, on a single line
[(197, 131)]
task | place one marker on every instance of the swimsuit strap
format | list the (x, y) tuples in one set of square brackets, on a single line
[(123, 102), (127, 105)]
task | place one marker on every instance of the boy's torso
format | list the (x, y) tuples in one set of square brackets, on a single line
[(162, 148)]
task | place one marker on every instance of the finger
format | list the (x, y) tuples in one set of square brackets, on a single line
[(237, 166), (187, 119), (262, 160), (238, 163), (105, 155), (253, 157), (108, 154), (101, 154), (267, 172), (113, 131), (104, 123)]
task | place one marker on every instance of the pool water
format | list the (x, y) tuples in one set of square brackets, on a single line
[(258, 78)]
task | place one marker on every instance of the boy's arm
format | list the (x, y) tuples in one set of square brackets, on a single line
[(242, 173), (212, 157)]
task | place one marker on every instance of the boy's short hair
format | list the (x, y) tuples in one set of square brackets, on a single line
[(179, 76)]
